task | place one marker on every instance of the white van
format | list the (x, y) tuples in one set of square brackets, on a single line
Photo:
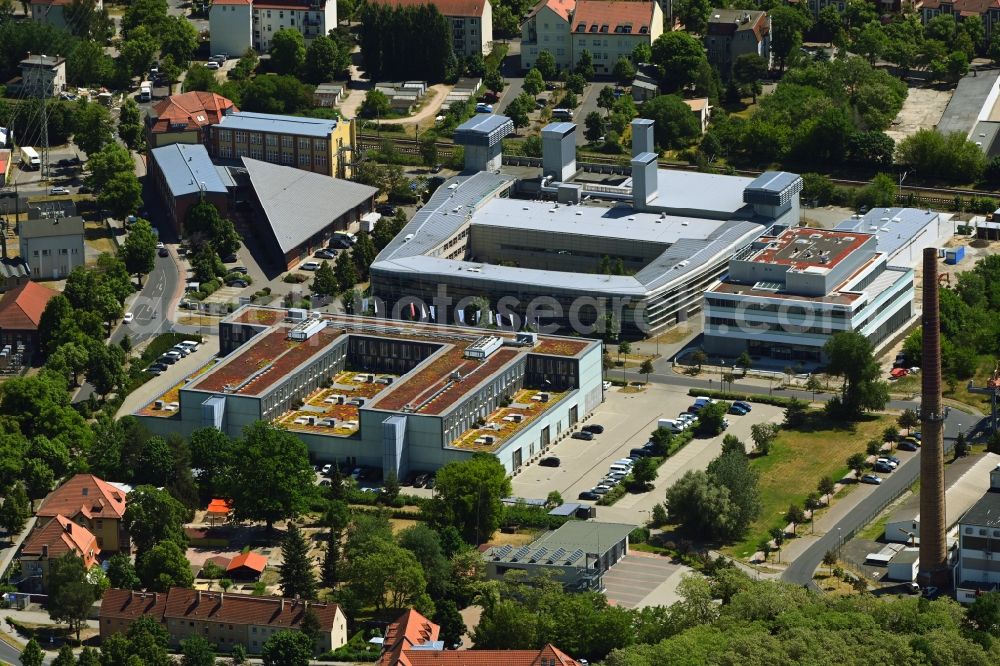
[(671, 425), (616, 468), (562, 114)]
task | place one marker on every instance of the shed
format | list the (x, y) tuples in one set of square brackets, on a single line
[(904, 564), (218, 510), (247, 566), (575, 510)]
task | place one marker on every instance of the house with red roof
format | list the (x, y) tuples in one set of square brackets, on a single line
[(412, 640), (225, 620), (20, 314), (246, 566), (91, 503), (185, 118), (471, 20), (50, 542), (612, 30), (547, 28)]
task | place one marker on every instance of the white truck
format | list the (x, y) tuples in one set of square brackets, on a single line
[(145, 91), (29, 158)]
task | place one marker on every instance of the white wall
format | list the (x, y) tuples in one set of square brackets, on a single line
[(231, 29)]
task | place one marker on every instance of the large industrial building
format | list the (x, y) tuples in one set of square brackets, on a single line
[(786, 294), (395, 395), (641, 250), (978, 568)]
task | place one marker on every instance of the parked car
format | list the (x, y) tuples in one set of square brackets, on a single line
[(325, 471), (886, 461), (582, 434), (325, 254), (551, 461), (907, 445), (190, 344), (490, 97), (607, 385), (156, 368), (183, 351), (484, 108), (737, 410), (430, 483), (239, 269), (883, 467), (229, 259), (595, 428), (173, 353), (602, 489), (167, 360), (873, 479), (128, 318), (58, 190), (420, 480), (588, 495), (640, 453), (310, 266), (340, 244), (160, 245), (211, 64), (744, 405), (385, 209), (241, 284), (893, 459), (163, 252)]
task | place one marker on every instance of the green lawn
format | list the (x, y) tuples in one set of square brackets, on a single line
[(798, 460)]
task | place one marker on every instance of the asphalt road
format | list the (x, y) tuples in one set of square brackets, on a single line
[(801, 570)]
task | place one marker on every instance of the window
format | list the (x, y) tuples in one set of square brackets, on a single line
[(286, 142), (272, 154), (75, 251), (303, 160), (241, 137), (225, 135), (35, 253), (226, 151), (46, 253), (303, 144), (268, 15), (271, 140), (64, 251)]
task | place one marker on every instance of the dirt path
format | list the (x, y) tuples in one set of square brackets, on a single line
[(441, 91)]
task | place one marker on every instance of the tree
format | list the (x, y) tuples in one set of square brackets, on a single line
[(908, 419), (274, 476), (961, 446), (545, 63), (452, 625), (32, 654), (200, 77), (763, 435), (984, 613), (287, 648), (850, 356), (92, 126), (345, 271), (711, 418), (645, 472), (624, 348), (121, 572), (675, 125), (778, 537), (814, 385), (322, 60), (386, 575), (533, 82), (137, 51), (871, 41), (951, 157), (795, 515), (594, 128), (857, 463), (826, 487), (518, 110), (324, 281), (65, 656), (106, 364), (429, 149), (624, 71), (679, 57), (297, 578), (197, 651), (874, 447), (702, 507), (164, 566), (796, 413), (130, 123), (787, 26), (139, 249), (121, 195), (288, 51), (238, 656), (390, 486), (748, 70), (694, 14), (585, 65), (699, 358), (152, 516), (15, 511), (646, 368), (469, 496), (70, 594), (178, 39)]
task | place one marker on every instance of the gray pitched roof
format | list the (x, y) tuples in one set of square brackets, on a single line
[(299, 204), (269, 122), (42, 228), (188, 169)]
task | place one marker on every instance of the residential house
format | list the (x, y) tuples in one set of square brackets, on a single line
[(43, 76), (735, 32), (612, 30), (52, 245), (225, 620), (547, 28), (702, 110), (246, 566), (471, 22), (412, 640), (311, 144), (53, 12), (20, 315), (185, 118), (91, 503), (297, 212), (236, 25), (55, 539), (184, 175)]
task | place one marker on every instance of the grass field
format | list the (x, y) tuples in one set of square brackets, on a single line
[(958, 391), (798, 460)]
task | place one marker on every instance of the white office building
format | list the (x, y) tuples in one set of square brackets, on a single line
[(236, 25)]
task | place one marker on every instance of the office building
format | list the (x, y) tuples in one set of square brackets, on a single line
[(237, 25), (978, 568)]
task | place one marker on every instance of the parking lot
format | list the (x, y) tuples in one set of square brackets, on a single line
[(628, 419), (643, 579)]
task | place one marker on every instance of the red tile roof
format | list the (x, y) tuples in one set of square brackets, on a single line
[(86, 494), (446, 7), (189, 111), (413, 629), (63, 536), (232, 2), (612, 13), (131, 605), (21, 308), (564, 8), (251, 560)]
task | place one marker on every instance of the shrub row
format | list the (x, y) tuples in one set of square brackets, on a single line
[(777, 401)]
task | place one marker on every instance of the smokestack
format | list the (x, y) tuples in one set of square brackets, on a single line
[(933, 545)]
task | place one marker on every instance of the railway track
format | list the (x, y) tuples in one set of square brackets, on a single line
[(943, 196)]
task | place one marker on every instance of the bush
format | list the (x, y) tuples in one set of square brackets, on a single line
[(613, 495), (294, 278), (777, 401), (639, 535), (163, 343), (531, 516)]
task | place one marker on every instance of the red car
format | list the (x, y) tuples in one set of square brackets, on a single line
[(898, 373), (490, 97)]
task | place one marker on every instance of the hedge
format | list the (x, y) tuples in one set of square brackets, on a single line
[(777, 401)]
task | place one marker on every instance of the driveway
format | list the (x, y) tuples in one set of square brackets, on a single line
[(643, 579)]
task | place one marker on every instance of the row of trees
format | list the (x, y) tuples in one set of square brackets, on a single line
[(406, 43)]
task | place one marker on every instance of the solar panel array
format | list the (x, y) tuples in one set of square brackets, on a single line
[(556, 556), (502, 552)]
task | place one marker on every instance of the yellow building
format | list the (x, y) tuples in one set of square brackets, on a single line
[(311, 144), (58, 537), (91, 503)]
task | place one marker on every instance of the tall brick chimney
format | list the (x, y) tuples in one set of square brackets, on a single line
[(933, 545)]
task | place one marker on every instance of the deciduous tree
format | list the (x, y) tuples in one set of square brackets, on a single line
[(288, 51), (469, 496), (70, 594)]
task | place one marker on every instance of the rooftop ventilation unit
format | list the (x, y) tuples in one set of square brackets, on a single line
[(484, 347), (306, 329)]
